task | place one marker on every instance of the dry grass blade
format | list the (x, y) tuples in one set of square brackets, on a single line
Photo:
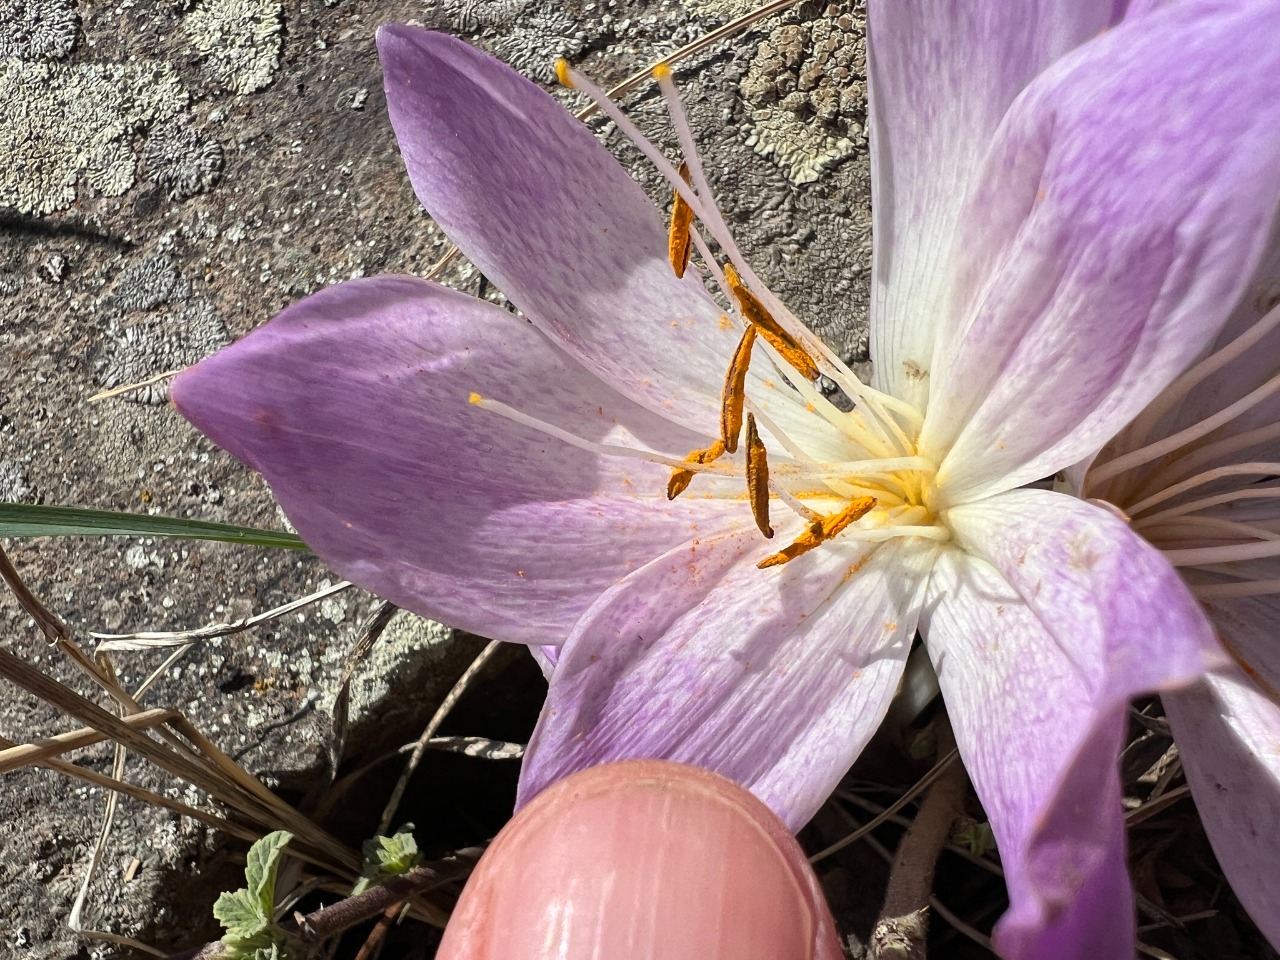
[(210, 770), (936, 771), (1152, 807), (393, 803), (130, 387), (150, 640), (76, 920), (369, 634), (49, 623), (19, 756), (93, 778), (281, 813), (696, 46)]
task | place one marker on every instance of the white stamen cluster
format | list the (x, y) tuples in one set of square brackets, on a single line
[(1191, 492)]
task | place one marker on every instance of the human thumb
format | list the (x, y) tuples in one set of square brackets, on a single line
[(637, 860)]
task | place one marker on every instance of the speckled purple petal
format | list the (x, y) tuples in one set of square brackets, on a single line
[(1129, 194), (1228, 735), (534, 201), (1049, 617), (942, 74), (775, 678), (354, 405)]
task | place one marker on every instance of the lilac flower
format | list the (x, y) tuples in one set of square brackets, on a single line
[(1062, 222), (1197, 474)]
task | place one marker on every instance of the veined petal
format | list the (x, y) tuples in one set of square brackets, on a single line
[(774, 678), (941, 76), (354, 405), (1228, 735), (535, 201), (1049, 617), (1128, 196)]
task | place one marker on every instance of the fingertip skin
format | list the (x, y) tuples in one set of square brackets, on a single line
[(643, 859)]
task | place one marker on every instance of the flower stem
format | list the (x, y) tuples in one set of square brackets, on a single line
[(903, 927)]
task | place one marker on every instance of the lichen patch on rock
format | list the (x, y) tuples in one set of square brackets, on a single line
[(806, 91), (64, 124), (528, 36), (137, 348), (37, 29), (181, 160), (241, 40)]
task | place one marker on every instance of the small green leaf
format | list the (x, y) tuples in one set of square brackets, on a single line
[(387, 857), (246, 914), (260, 871), (30, 520), (238, 912), (978, 837)]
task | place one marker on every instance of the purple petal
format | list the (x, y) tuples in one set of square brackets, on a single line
[(942, 75), (1049, 617), (1130, 192), (1228, 735), (775, 678), (534, 201), (354, 405)]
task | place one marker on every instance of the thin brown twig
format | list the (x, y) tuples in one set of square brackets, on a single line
[(964, 929), (371, 949), (937, 770), (876, 809), (370, 632), (451, 698), (902, 930)]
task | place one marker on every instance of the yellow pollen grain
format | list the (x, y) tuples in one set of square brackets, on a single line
[(680, 479), (680, 236), (734, 396), (756, 314), (661, 71), (820, 532), (758, 477), (475, 398), (562, 73)]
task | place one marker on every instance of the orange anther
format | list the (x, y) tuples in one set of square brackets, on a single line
[(735, 391), (756, 314), (820, 531), (680, 479), (758, 477), (680, 238)]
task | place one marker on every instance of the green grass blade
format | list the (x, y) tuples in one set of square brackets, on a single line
[(24, 520)]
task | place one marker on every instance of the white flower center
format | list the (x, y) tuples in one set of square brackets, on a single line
[(864, 481)]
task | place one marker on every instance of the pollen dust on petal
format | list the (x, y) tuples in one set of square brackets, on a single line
[(1084, 553), (913, 370)]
